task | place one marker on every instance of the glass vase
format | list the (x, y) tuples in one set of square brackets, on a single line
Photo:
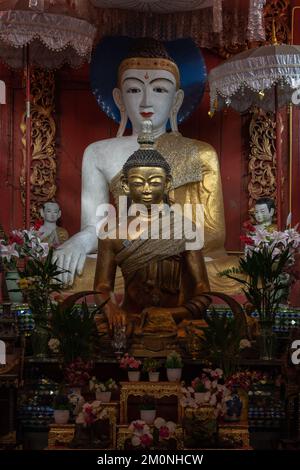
[(234, 407), (267, 340), (39, 342)]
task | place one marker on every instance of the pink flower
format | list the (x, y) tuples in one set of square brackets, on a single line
[(138, 425), (164, 432), (146, 440)]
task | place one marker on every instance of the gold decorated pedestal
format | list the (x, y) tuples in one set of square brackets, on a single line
[(124, 434), (235, 434), (61, 435), (154, 389)]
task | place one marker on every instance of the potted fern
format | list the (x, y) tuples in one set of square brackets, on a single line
[(174, 366)]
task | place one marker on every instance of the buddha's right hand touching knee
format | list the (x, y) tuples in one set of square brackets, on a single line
[(71, 257)]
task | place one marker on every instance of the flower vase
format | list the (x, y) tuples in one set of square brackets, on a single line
[(61, 416), (267, 340), (39, 342), (234, 408), (104, 397), (134, 375), (148, 416), (153, 376), (174, 375), (14, 292)]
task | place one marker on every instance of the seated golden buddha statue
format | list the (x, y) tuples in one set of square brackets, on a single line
[(159, 253), (148, 87)]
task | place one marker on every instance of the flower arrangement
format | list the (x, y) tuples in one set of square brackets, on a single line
[(211, 391), (150, 364), (39, 279), (54, 345), (174, 361), (129, 362), (243, 380), (91, 412), (77, 373), (21, 244), (267, 258), (144, 436), (108, 386)]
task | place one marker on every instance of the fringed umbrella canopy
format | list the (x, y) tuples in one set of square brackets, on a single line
[(265, 77)]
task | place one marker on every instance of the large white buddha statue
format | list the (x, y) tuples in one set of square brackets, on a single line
[(148, 88)]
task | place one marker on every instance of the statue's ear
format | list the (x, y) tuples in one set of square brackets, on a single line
[(272, 212), (178, 100), (42, 212), (117, 96), (124, 184), (168, 183), (59, 214)]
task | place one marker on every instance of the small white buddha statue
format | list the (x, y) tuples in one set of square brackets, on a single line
[(49, 232), (264, 213)]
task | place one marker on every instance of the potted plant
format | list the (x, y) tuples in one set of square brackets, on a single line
[(132, 365), (151, 365), (174, 366), (73, 325), (102, 390), (147, 409), (268, 258), (200, 391), (220, 343), (62, 408)]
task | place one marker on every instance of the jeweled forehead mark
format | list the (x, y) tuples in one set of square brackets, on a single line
[(146, 76)]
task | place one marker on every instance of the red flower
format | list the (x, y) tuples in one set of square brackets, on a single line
[(38, 223), (164, 432), (247, 240), (13, 238), (146, 440), (248, 226)]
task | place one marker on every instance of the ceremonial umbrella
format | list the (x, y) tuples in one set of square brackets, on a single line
[(46, 40), (267, 77)]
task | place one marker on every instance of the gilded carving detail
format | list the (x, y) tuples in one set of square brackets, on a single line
[(262, 163), (140, 389), (43, 157)]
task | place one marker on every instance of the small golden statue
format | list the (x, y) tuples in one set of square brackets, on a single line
[(164, 279)]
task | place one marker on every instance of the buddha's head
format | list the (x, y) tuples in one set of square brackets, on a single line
[(50, 212), (146, 174), (148, 88), (264, 210)]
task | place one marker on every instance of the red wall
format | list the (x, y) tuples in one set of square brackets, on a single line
[(80, 122)]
